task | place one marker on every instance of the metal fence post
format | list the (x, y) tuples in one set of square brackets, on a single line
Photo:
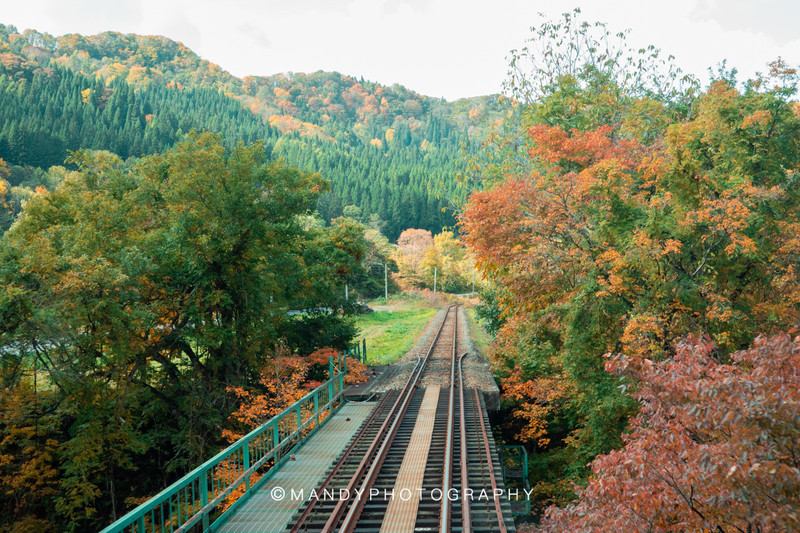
[(204, 496), (331, 375), (524, 460), (316, 407), (246, 464)]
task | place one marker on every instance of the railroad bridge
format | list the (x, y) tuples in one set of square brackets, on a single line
[(413, 452)]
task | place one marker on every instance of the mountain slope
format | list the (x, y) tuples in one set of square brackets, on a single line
[(387, 150)]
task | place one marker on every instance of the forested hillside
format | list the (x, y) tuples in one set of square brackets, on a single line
[(387, 150)]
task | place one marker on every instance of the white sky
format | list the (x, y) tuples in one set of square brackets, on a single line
[(449, 48)]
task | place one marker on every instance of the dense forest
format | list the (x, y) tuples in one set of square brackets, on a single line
[(386, 150)]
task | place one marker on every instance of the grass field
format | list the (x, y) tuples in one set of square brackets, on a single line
[(477, 332), (394, 327)]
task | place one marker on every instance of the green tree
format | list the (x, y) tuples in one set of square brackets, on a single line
[(143, 291)]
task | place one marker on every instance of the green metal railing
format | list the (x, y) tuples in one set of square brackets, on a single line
[(359, 351), (200, 499), (515, 476)]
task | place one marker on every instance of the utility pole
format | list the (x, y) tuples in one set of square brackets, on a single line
[(346, 292), (473, 282), (434, 280), (386, 282)]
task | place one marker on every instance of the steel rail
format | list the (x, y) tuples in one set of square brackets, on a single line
[(365, 459), (339, 464), (466, 517), (397, 409), (385, 437), (447, 481), (497, 507)]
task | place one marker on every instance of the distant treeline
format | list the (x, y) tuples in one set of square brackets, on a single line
[(389, 151)]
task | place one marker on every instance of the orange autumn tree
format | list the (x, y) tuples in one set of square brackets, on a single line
[(541, 238), (284, 380), (634, 222), (29, 458), (277, 388)]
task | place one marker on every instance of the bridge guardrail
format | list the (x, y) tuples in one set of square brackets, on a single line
[(195, 502), (514, 459)]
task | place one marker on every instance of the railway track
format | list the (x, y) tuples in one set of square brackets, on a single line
[(423, 460)]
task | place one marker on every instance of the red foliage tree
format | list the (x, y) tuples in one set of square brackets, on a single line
[(716, 447)]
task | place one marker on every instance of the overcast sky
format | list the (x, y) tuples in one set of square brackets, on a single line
[(449, 48)]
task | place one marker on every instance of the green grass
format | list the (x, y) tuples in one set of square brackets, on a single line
[(478, 334), (390, 334)]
